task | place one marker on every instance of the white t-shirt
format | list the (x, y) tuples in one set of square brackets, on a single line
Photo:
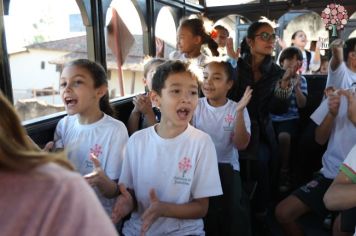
[(179, 170), (105, 138), (342, 77), (341, 140), (199, 61), (220, 123)]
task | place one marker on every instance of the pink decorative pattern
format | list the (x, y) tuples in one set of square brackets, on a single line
[(96, 150), (184, 165), (229, 119), (334, 14)]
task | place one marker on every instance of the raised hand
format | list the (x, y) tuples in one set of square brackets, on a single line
[(124, 205), (152, 213), (281, 43), (159, 47), (334, 103), (245, 99), (350, 95), (337, 44), (95, 178), (142, 104), (230, 49)]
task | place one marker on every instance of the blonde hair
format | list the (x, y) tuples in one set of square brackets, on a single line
[(17, 152)]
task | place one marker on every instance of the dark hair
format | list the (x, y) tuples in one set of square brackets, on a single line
[(244, 48), (228, 68), (254, 27), (295, 34), (349, 47), (165, 70), (220, 27), (196, 27), (152, 62), (98, 74), (290, 53)]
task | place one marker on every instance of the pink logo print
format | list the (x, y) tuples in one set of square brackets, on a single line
[(229, 119), (96, 150), (184, 165)]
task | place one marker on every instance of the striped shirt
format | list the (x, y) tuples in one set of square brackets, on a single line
[(293, 108)]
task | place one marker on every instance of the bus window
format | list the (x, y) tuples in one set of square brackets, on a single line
[(124, 51), (213, 3), (166, 30), (41, 36)]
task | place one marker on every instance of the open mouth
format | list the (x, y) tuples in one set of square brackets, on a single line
[(183, 113), (70, 101)]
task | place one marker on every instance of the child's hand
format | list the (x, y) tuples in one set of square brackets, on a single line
[(350, 95), (334, 103), (142, 104), (337, 45), (245, 99), (48, 147), (297, 81), (96, 177), (329, 91), (281, 43), (230, 49), (152, 213), (124, 205)]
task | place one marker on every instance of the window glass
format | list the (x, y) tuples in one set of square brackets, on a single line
[(193, 1), (166, 30), (213, 3), (353, 34), (41, 35), (124, 49)]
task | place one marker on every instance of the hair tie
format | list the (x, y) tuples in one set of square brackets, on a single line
[(214, 34)]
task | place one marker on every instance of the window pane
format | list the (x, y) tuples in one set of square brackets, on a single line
[(41, 35), (166, 30), (193, 1), (213, 3), (124, 42)]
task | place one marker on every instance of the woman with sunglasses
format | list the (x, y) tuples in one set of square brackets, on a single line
[(271, 89)]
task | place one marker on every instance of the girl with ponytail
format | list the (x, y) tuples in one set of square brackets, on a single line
[(94, 140), (191, 36)]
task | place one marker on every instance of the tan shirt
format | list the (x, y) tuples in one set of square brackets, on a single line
[(50, 201)]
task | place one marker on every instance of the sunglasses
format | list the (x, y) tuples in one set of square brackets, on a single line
[(266, 36)]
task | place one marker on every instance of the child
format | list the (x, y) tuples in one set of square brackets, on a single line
[(191, 36), (220, 36), (40, 194), (311, 60), (339, 132), (94, 140), (143, 114), (170, 167), (228, 124), (286, 124)]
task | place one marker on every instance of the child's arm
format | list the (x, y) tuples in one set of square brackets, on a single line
[(143, 106), (299, 95), (337, 54), (341, 193), (195, 209), (241, 137), (99, 179), (323, 131)]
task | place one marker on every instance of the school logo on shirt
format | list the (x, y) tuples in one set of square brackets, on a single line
[(183, 166), (228, 124)]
